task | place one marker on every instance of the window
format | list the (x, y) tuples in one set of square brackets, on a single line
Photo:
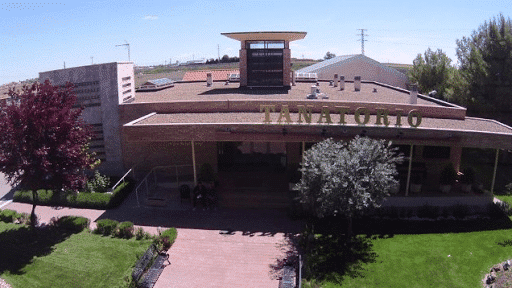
[(127, 91), (127, 78), (127, 85)]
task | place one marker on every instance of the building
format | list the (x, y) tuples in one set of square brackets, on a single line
[(350, 66), (100, 89), (253, 132)]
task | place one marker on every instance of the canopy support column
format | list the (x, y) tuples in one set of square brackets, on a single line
[(194, 163), (409, 172), (495, 169)]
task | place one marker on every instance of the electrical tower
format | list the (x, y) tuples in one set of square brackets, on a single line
[(362, 39), (128, 46)]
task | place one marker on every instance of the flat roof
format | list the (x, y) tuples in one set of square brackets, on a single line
[(220, 91), (270, 35)]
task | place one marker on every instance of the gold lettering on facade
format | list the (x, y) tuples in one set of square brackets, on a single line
[(266, 109), (357, 116), (410, 118), (343, 111), (361, 115), (325, 113), (306, 112), (382, 115), (398, 122), (285, 112)]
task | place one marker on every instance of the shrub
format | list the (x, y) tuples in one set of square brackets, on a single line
[(89, 200), (125, 230), (139, 233), (428, 211), (460, 211), (448, 175), (73, 223), (8, 215), (106, 226), (99, 183), (166, 238)]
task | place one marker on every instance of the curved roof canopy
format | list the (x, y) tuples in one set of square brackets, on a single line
[(287, 36)]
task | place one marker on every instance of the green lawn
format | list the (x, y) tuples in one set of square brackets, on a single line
[(414, 260), (63, 259)]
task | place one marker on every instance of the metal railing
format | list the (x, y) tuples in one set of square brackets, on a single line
[(123, 179), (163, 174)]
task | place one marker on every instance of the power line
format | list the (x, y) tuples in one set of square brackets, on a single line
[(362, 39)]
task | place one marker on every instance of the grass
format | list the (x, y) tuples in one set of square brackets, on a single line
[(459, 258), (58, 258)]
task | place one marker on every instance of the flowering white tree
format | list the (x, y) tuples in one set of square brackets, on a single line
[(340, 178)]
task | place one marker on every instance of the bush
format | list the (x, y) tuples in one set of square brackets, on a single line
[(8, 215), (73, 223), (166, 238), (428, 211), (98, 184), (89, 200), (106, 226), (139, 233), (125, 230)]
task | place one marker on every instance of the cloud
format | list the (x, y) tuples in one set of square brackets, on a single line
[(150, 17)]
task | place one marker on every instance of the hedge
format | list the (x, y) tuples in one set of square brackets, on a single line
[(106, 226), (81, 200), (73, 223)]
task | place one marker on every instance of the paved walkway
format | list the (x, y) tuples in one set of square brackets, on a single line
[(224, 248)]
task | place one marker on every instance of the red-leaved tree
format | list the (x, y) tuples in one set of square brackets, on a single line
[(43, 140)]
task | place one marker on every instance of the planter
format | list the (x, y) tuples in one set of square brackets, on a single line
[(415, 188), (466, 188), (445, 188)]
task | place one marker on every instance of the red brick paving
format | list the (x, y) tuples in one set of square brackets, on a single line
[(206, 258)]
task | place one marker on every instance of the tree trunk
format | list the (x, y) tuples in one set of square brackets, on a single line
[(33, 216), (349, 227)]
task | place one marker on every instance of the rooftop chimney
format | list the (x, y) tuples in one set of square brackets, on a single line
[(209, 79), (413, 94), (335, 80), (342, 83), (293, 79), (357, 83)]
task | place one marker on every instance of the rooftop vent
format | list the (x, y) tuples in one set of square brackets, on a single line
[(342, 83), (357, 83), (209, 79), (335, 80), (315, 93), (413, 95)]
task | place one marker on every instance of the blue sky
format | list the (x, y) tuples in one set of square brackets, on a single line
[(41, 36)]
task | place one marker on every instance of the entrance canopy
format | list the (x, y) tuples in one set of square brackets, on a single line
[(286, 36)]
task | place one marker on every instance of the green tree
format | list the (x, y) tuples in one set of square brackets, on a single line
[(329, 55), (432, 71), (347, 178), (485, 60)]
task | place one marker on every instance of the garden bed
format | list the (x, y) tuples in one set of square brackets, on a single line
[(78, 200)]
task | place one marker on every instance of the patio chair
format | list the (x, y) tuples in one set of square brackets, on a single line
[(185, 193)]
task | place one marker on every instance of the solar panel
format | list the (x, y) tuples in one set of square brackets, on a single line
[(161, 81)]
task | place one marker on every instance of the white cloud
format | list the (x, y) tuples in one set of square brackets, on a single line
[(150, 17)]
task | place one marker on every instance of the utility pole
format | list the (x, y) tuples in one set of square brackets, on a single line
[(92, 61), (362, 39), (128, 46), (218, 52), (64, 64)]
